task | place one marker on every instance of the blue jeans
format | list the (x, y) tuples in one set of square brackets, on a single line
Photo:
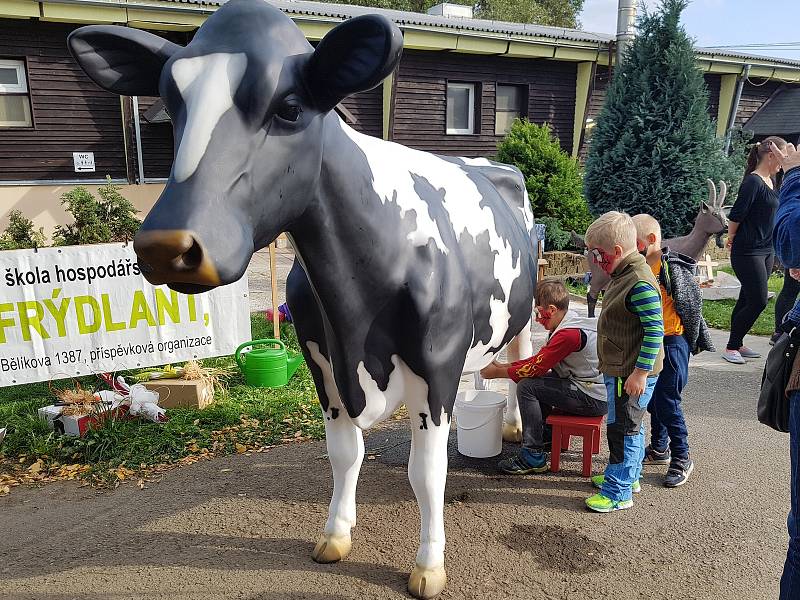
[(790, 582), (625, 432), (667, 425)]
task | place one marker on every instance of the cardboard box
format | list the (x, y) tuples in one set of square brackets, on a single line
[(182, 393)]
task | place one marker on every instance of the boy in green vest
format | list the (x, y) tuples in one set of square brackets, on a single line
[(630, 332)]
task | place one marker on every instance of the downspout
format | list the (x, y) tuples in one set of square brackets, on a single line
[(626, 22), (138, 132), (735, 108)]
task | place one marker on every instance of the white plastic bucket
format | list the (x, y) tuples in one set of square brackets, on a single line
[(479, 415)]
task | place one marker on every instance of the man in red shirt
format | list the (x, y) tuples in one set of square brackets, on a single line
[(562, 375)]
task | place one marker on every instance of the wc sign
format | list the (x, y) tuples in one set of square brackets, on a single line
[(83, 161)]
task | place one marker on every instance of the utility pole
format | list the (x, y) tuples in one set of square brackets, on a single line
[(626, 23)]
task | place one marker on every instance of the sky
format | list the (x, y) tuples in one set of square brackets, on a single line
[(719, 22)]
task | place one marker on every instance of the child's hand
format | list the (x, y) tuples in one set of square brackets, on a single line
[(794, 274), (494, 371), (635, 383)]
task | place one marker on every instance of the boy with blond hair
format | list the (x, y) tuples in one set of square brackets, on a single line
[(562, 375), (685, 333), (630, 333)]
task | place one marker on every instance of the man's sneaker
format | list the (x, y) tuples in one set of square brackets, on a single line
[(746, 352), (599, 480), (678, 472), (604, 504), (656, 457), (524, 463), (734, 357)]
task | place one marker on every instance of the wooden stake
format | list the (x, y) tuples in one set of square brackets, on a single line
[(273, 276), (708, 265)]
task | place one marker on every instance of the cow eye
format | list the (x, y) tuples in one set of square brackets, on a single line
[(289, 111)]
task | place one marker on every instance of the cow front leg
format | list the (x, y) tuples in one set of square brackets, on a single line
[(346, 452), (427, 472), (520, 347)]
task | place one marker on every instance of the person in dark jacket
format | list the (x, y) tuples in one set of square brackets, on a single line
[(787, 247), (750, 239), (685, 333)]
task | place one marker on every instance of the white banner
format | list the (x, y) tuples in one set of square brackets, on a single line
[(78, 310)]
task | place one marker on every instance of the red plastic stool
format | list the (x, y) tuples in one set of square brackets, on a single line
[(565, 426)]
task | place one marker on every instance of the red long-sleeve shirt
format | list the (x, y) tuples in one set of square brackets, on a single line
[(561, 345)]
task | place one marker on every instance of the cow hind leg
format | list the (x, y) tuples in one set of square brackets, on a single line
[(427, 472), (520, 347)]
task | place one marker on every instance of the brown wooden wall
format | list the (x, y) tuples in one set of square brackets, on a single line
[(367, 108), (420, 101), (157, 150), (713, 83), (753, 96), (70, 113)]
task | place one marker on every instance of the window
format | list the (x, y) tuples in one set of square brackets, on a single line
[(508, 106), (460, 108), (15, 106)]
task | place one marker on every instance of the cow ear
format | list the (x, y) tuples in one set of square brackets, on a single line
[(353, 57), (122, 60)]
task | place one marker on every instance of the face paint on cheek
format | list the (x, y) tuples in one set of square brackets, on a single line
[(543, 317), (602, 260)]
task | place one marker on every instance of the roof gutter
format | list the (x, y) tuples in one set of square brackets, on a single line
[(599, 45)]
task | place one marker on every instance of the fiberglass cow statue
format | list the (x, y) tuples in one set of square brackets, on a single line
[(411, 268)]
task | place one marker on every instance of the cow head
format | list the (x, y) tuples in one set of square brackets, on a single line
[(248, 98)]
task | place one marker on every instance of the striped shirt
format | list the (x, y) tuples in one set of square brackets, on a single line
[(645, 302)]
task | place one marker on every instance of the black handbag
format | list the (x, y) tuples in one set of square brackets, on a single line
[(773, 401)]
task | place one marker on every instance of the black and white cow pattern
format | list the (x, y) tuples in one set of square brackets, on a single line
[(411, 268)]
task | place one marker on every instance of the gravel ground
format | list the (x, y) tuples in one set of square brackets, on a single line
[(244, 526)]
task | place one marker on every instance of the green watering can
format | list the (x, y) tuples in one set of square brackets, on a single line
[(267, 367)]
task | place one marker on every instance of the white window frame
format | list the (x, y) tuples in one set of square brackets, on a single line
[(470, 87), (22, 77), (18, 89)]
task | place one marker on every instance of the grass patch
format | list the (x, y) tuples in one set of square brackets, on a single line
[(718, 312), (241, 419)]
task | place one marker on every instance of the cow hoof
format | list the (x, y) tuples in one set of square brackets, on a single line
[(512, 432), (331, 548), (426, 583)]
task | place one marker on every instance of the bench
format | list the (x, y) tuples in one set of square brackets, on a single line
[(565, 426)]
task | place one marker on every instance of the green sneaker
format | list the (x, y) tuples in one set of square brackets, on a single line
[(599, 480), (604, 504)]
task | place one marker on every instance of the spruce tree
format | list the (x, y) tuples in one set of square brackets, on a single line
[(654, 143)]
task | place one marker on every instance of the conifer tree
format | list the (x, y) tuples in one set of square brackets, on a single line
[(654, 143)]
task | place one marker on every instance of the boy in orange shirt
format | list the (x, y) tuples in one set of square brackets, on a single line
[(685, 332)]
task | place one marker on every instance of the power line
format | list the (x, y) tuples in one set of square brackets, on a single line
[(789, 45), (758, 44)]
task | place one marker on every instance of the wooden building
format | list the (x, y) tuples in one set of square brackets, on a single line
[(459, 85)]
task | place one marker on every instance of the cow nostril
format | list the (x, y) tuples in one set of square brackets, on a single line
[(193, 257)]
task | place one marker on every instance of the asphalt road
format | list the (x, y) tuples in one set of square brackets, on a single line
[(244, 526)]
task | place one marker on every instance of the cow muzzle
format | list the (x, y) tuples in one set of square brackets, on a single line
[(175, 257)]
